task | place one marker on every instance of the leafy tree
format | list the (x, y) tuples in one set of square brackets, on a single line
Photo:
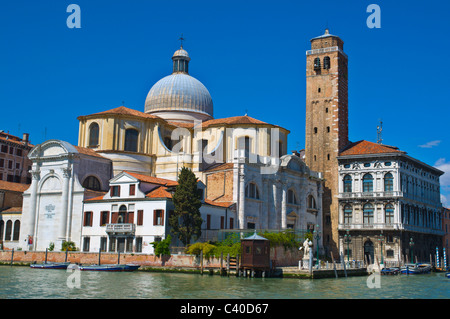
[(162, 247), (186, 221), (68, 245), (207, 248)]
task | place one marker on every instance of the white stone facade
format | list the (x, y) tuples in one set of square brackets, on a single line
[(52, 205), (385, 200)]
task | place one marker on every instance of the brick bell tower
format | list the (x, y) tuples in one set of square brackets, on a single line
[(327, 123)]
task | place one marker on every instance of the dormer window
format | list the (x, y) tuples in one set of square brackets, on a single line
[(115, 191)]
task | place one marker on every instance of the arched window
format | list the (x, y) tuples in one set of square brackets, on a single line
[(2, 228), (316, 64), (251, 191), (348, 212), (367, 183), (122, 215), (312, 203), (326, 62), (389, 214), (347, 184), (8, 230), (388, 182), (292, 199), (92, 183), (131, 140), (368, 214), (16, 231), (93, 134)]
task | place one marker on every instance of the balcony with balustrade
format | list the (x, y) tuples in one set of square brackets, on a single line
[(125, 229)]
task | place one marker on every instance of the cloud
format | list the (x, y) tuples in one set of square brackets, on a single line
[(445, 202), (444, 166), (430, 144)]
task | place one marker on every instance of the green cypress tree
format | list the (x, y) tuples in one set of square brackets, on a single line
[(186, 222)]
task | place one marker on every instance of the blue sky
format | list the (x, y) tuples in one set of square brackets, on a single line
[(249, 54)]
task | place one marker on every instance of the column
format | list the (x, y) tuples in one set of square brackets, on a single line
[(36, 176), (65, 202), (241, 212), (283, 207), (273, 221), (264, 221)]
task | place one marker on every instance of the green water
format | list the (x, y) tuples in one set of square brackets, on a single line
[(27, 283)]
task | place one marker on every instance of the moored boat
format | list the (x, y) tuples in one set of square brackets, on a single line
[(50, 265), (415, 269), (390, 271), (109, 267)]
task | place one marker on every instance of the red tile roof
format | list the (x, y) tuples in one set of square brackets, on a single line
[(14, 187), (219, 204), (235, 120), (220, 167), (12, 210), (87, 151), (153, 180), (14, 139), (122, 110), (366, 147), (160, 192)]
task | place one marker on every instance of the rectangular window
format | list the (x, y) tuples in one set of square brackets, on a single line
[(158, 217), (17, 165), (86, 243), (222, 222), (103, 243), (231, 223), (10, 164), (87, 219), (19, 152), (11, 150), (115, 191), (104, 218), (132, 189), (140, 218), (129, 246), (2, 162), (139, 244), (4, 149), (208, 221)]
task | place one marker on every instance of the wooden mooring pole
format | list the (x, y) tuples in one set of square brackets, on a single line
[(12, 256), (334, 265), (201, 262)]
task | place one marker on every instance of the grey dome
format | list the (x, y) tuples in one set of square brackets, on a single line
[(179, 91)]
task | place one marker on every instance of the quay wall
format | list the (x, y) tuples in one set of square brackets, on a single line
[(281, 257)]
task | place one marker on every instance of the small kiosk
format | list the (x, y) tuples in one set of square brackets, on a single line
[(255, 255)]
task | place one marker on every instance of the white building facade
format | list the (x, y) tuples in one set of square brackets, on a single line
[(389, 205), (63, 176)]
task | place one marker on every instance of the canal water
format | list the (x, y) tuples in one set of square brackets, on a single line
[(26, 283)]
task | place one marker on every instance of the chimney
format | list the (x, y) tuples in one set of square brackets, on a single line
[(25, 138)]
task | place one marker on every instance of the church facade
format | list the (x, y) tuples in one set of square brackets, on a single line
[(250, 182)]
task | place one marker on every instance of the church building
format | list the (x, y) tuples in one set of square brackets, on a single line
[(242, 162)]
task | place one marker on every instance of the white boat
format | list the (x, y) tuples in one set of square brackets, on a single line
[(415, 269)]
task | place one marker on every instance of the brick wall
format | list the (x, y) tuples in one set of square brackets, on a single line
[(281, 256)]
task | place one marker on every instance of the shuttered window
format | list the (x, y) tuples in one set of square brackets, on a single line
[(158, 217), (140, 217)]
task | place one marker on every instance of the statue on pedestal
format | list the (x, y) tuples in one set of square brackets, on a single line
[(307, 253)]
